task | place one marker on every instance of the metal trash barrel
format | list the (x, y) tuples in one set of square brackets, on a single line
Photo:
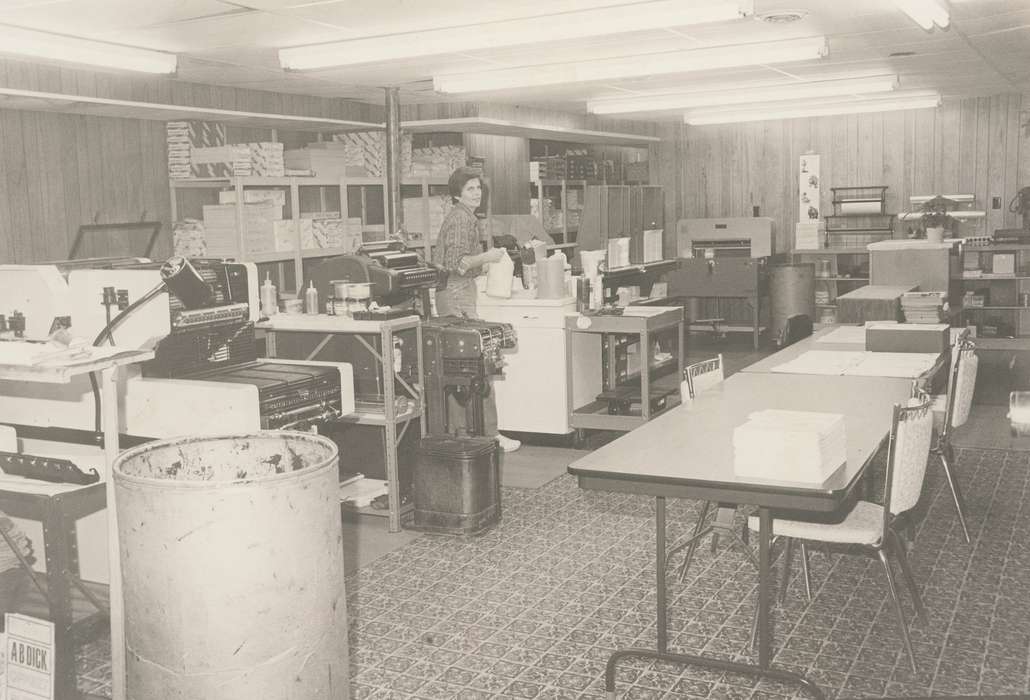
[(232, 568), (791, 292)]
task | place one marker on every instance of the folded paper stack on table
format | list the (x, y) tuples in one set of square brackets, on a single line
[(804, 446), (923, 307)]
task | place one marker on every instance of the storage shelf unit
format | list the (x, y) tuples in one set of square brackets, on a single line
[(838, 271), (1003, 312), (560, 190), (346, 196), (304, 195), (630, 396), (395, 423)]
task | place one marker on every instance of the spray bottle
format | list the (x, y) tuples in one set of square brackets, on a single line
[(311, 298), (269, 297)]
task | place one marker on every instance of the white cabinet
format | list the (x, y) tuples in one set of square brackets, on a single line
[(531, 396)]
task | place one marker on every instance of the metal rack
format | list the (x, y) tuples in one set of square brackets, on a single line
[(638, 324), (389, 419)]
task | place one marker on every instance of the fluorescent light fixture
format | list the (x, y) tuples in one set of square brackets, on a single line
[(29, 42), (916, 99), (734, 96), (664, 63), (925, 13), (602, 21)]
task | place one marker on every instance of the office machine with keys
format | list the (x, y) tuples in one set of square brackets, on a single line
[(398, 275), (198, 316), (460, 355)]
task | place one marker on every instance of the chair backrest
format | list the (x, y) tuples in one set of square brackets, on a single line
[(961, 383), (907, 453), (797, 327), (703, 375)]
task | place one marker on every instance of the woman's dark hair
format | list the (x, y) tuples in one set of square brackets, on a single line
[(458, 179)]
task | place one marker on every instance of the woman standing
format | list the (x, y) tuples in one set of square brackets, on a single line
[(459, 251)]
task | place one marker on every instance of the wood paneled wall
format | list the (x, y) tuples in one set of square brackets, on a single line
[(59, 171), (977, 146)]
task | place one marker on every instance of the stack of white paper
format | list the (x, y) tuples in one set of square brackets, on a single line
[(618, 252), (796, 446), (361, 493)]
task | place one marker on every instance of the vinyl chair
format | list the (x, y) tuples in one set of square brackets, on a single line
[(953, 409), (873, 527), (698, 378)]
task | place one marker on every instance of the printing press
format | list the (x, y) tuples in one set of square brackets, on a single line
[(460, 355), (198, 316)]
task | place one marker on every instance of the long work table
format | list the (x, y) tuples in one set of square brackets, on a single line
[(687, 452)]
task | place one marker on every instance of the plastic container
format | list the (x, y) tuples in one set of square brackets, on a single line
[(232, 565), (269, 297), (457, 485), (499, 277), (311, 299)]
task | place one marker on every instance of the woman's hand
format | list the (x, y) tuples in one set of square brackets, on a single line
[(473, 261), (495, 255)]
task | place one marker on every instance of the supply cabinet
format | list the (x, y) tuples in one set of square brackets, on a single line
[(996, 289)]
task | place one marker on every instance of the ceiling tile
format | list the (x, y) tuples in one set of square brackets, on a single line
[(245, 30), (105, 18)]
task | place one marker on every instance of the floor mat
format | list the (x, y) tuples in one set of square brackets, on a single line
[(532, 466)]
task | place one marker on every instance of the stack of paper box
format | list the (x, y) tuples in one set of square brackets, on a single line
[(220, 229), (372, 147), (795, 446), (177, 137), (188, 239), (266, 158), (221, 161), (254, 196), (285, 232), (323, 162), (437, 161)]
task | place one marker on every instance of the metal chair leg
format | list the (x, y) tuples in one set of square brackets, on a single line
[(699, 531), (785, 573), (906, 571), (897, 607), (804, 568), (946, 455)]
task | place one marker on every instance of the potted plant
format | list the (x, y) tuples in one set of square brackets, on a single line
[(936, 219)]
